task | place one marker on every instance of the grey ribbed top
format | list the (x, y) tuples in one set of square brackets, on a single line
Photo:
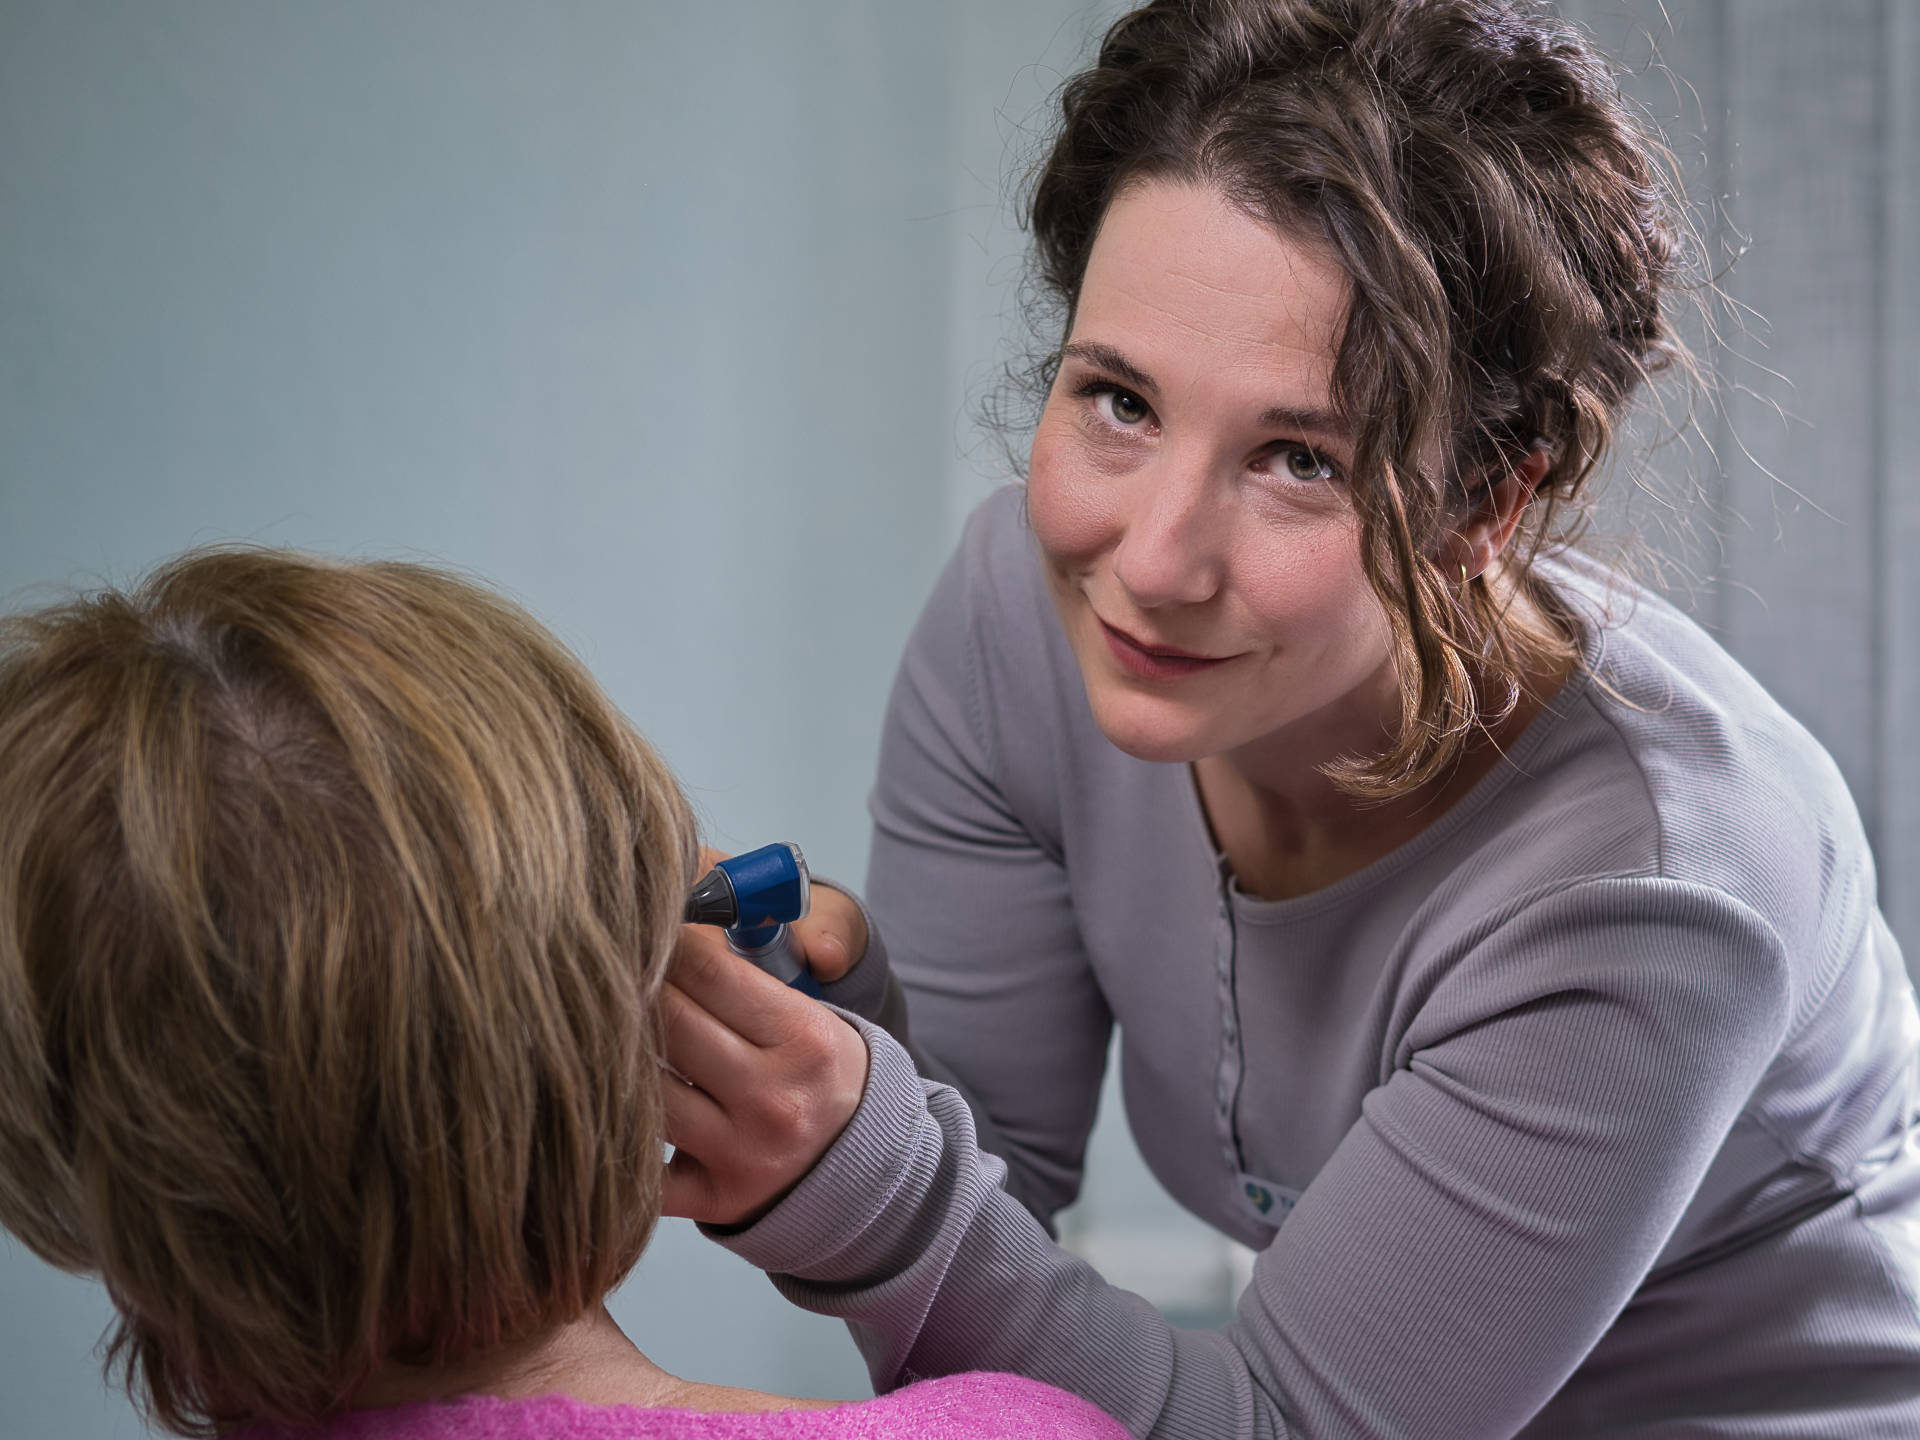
[(1593, 1107)]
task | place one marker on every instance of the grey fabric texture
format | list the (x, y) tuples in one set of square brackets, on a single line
[(1593, 1108)]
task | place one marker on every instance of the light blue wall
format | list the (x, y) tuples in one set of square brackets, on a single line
[(639, 310), (644, 310)]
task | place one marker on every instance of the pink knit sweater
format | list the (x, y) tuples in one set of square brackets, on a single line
[(959, 1407)]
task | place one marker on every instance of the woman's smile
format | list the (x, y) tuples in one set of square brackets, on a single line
[(1156, 662)]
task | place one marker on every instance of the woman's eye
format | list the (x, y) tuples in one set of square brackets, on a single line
[(1300, 463), (1124, 407)]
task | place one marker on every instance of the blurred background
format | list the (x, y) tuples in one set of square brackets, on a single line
[(674, 321)]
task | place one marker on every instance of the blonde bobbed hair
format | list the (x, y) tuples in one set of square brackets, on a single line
[(334, 899)]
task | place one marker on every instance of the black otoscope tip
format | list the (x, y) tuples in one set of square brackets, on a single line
[(712, 901)]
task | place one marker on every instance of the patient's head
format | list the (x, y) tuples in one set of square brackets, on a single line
[(333, 903)]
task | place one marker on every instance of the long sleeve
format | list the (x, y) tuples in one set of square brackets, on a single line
[(1500, 1199), (975, 906)]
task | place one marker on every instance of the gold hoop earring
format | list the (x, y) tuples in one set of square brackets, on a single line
[(1463, 574)]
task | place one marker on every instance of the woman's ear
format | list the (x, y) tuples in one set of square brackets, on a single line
[(1496, 512)]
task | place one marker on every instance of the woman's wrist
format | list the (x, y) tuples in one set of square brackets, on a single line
[(857, 1178)]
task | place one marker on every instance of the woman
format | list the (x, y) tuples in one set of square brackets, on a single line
[(334, 908), (1488, 951)]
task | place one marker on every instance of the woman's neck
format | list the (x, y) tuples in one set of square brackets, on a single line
[(589, 1359), (1288, 830), (1290, 839)]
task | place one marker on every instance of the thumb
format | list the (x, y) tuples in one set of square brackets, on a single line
[(833, 937), (824, 947)]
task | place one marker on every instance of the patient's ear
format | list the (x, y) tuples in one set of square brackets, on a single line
[(1489, 525)]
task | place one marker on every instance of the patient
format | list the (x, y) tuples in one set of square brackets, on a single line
[(334, 904)]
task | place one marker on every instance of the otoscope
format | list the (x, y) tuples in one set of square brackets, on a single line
[(755, 896)]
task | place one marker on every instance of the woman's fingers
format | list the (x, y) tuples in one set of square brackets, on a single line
[(688, 1190), (740, 995), (774, 1079), (695, 1122), (700, 1048), (696, 1126)]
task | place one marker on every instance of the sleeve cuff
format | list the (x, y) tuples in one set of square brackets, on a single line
[(889, 1153)]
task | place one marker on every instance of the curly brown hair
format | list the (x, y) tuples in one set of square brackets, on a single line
[(334, 899), (1509, 227)]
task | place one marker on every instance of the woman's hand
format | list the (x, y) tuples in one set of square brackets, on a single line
[(762, 1080)]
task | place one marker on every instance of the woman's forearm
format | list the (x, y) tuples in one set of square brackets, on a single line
[(904, 1231)]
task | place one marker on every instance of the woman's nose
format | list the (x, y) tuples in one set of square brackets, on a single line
[(1171, 550)]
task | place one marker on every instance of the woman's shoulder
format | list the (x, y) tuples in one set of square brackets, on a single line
[(995, 578), (1706, 777), (989, 650)]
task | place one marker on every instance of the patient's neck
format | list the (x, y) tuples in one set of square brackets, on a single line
[(589, 1359)]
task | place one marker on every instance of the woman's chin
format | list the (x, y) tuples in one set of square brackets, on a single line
[(1160, 738)]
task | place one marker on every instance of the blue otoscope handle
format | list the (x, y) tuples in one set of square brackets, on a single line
[(754, 896)]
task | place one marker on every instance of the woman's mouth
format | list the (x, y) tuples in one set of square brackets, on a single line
[(1155, 662)]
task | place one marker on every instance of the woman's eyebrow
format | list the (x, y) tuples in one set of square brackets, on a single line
[(1324, 423), (1105, 357)]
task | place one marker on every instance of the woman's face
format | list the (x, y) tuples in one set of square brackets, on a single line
[(1188, 489)]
